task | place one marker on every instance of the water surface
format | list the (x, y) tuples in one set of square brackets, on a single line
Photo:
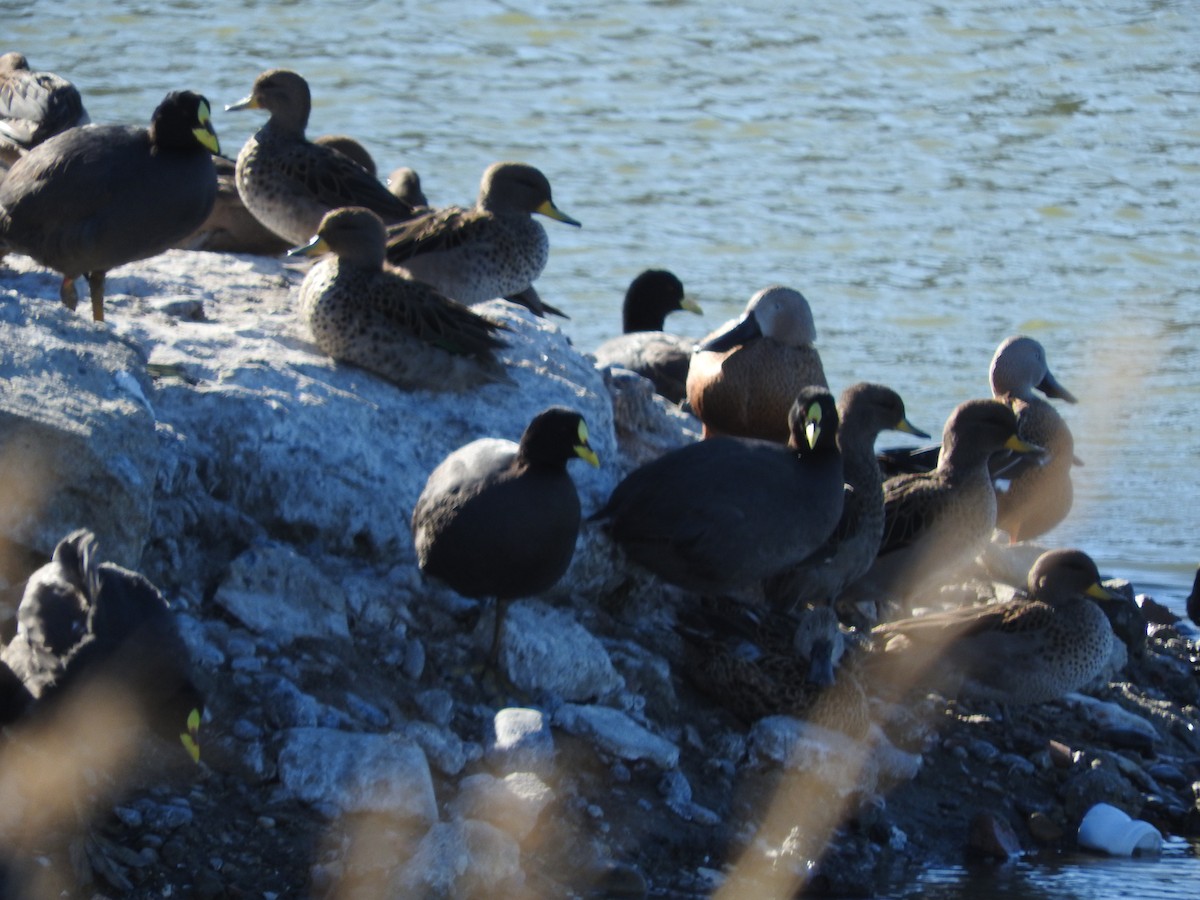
[(934, 177)]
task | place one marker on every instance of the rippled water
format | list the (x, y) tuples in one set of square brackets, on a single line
[(933, 177)]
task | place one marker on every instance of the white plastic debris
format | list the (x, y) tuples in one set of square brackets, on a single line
[(1109, 830)]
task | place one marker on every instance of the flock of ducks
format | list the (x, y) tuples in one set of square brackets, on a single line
[(783, 500)]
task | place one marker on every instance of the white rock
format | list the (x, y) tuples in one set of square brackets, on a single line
[(512, 803), (546, 650), (358, 773), (520, 740), (264, 437), (78, 446)]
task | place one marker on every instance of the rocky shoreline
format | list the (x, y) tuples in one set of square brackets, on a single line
[(351, 748)]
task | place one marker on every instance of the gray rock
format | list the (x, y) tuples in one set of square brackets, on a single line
[(512, 803), (615, 733), (830, 758), (78, 446), (991, 836), (365, 711), (677, 791), (520, 740), (204, 651), (461, 859), (546, 650), (273, 590), (1099, 784), (286, 706), (437, 705), (445, 751), (1109, 717), (358, 773)]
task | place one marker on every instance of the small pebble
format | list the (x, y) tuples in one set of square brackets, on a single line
[(1061, 755)]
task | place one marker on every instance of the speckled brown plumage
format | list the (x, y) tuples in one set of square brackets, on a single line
[(644, 347), (364, 312), (744, 376), (288, 182), (865, 410), (936, 521), (34, 106), (1020, 652), (1038, 497), (767, 676), (494, 249)]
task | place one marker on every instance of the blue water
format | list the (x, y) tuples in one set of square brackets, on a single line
[(934, 177)]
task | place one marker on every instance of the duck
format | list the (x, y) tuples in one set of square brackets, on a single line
[(288, 182), (98, 196), (231, 228), (494, 249), (865, 410), (743, 377), (773, 670), (1029, 650), (84, 622), (34, 106), (351, 147), (936, 521), (498, 519), (405, 183), (1032, 496), (1037, 498), (364, 312), (52, 612), (718, 516), (644, 347)]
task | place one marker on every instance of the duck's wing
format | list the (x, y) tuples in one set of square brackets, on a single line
[(434, 231)]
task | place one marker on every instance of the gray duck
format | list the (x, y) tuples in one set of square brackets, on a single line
[(362, 311), (288, 182), (493, 249), (1037, 498), (1024, 651), (34, 106), (936, 521)]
